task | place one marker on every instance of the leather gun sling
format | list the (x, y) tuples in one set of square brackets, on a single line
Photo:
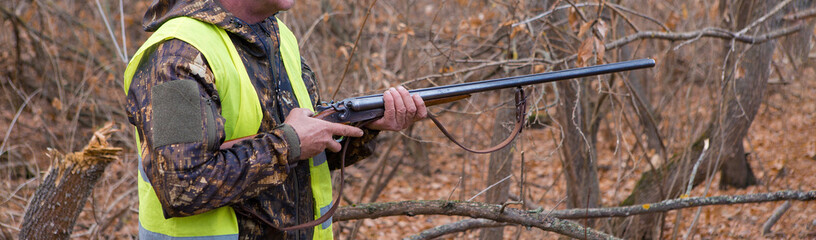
[(323, 218), (521, 109)]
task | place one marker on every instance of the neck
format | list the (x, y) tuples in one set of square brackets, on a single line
[(250, 12)]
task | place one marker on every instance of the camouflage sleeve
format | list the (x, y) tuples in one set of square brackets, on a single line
[(358, 148), (174, 105)]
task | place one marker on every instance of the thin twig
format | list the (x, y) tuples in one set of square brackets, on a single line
[(706, 32), (626, 19), (484, 65), (302, 41), (41, 36), (527, 203), (696, 165), (577, 10), (614, 6), (122, 25), (353, 48), (14, 120), (777, 214), (801, 15), (489, 187), (762, 19), (14, 193), (455, 227), (110, 31)]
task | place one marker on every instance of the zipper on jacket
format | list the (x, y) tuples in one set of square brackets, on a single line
[(279, 107), (212, 135), (279, 116)]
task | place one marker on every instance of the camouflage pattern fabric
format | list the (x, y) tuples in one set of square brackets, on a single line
[(258, 177)]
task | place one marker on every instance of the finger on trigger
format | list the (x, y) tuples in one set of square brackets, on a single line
[(346, 130), (334, 146)]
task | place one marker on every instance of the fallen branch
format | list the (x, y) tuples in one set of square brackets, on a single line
[(455, 227), (470, 209), (551, 221), (674, 204), (55, 206)]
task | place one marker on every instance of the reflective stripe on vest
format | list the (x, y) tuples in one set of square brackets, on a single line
[(318, 170), (241, 110)]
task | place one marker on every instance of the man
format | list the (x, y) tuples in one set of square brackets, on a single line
[(216, 70)]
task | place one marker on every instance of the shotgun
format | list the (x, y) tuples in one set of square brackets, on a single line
[(364, 108)]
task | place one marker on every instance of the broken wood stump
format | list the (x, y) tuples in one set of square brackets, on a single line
[(59, 199)]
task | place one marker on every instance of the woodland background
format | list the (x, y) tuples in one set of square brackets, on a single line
[(733, 90)]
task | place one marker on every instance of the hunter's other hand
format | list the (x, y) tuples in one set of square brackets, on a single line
[(316, 135), (401, 110)]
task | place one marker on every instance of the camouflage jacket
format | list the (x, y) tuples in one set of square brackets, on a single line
[(259, 178)]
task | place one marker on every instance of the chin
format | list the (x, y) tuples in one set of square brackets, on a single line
[(283, 5)]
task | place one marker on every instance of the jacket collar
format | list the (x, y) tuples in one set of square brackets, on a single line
[(209, 11)]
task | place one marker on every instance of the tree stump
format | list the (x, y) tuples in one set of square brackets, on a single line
[(59, 199)]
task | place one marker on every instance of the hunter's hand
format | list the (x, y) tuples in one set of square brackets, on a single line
[(316, 135), (401, 110)]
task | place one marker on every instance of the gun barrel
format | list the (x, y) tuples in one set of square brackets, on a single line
[(375, 101)]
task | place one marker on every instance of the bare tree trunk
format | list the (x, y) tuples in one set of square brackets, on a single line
[(54, 209), (742, 92), (742, 107), (638, 83), (501, 163), (579, 129), (579, 149)]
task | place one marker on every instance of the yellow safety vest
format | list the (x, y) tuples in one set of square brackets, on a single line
[(241, 110)]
